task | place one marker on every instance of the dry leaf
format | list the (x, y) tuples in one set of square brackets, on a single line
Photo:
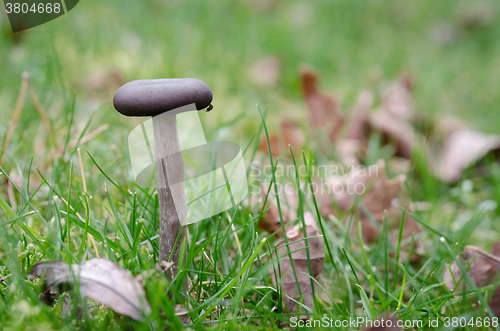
[(392, 119), (276, 148), (266, 72), (394, 128), (463, 148), (397, 99), (382, 196), (289, 134), (100, 280), (287, 281), (482, 271), (292, 135), (495, 302), (350, 148), (394, 116), (323, 109), (496, 249), (288, 204), (359, 119), (348, 151)]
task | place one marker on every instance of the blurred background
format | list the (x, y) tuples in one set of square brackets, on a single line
[(450, 49), (249, 52)]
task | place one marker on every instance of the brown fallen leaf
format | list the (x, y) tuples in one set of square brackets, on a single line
[(323, 108), (274, 142), (100, 280), (350, 148), (359, 119), (461, 149), (266, 72), (384, 195), (289, 134), (482, 271), (495, 250), (287, 282), (395, 129), (495, 299), (393, 120), (495, 302), (288, 204), (397, 98), (395, 116)]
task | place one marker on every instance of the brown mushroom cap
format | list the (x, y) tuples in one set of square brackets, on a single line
[(151, 97)]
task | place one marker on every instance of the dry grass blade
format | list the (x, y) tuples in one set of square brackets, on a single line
[(90, 136), (41, 111), (16, 115), (100, 280)]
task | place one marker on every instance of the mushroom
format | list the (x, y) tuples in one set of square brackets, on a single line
[(163, 99)]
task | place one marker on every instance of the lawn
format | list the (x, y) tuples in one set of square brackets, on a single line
[(74, 164)]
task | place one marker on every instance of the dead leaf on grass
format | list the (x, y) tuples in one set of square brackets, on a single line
[(100, 280), (495, 302), (461, 149), (394, 129), (384, 195), (482, 271), (290, 134), (350, 148), (297, 245), (323, 108), (397, 98), (289, 201)]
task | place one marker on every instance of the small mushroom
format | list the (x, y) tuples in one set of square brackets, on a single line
[(163, 99)]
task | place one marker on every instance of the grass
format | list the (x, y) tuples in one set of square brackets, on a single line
[(72, 198)]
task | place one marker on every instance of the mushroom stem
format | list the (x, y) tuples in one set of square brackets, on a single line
[(169, 168)]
